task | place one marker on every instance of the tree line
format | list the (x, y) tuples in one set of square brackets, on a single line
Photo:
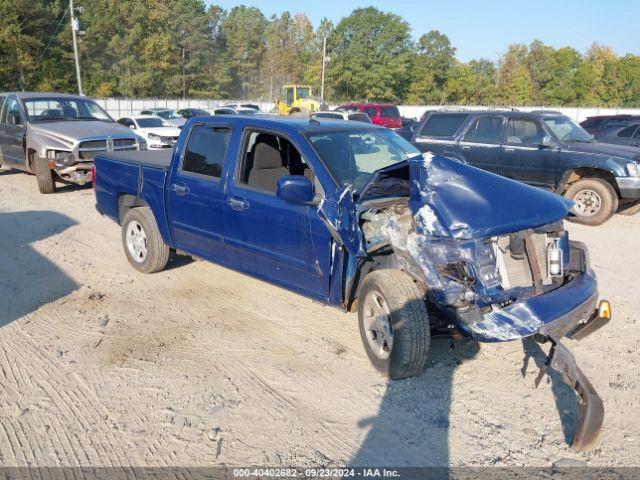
[(184, 48)]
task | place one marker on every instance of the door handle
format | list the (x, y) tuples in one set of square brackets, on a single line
[(238, 204), (179, 188), (509, 150), (466, 147)]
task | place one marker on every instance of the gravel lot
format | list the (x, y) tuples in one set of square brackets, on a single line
[(199, 365)]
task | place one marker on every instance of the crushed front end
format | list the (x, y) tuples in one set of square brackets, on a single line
[(495, 260)]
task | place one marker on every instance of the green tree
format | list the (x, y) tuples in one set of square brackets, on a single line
[(243, 30), (370, 56)]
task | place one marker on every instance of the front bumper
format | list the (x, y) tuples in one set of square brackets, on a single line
[(629, 187), (560, 309), (74, 172)]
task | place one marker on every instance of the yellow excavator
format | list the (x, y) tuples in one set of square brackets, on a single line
[(297, 99)]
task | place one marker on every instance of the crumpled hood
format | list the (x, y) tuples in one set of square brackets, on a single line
[(605, 149), (451, 199), (73, 130)]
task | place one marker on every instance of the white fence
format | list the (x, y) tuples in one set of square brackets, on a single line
[(120, 107)]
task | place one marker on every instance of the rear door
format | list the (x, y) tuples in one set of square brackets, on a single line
[(195, 192), (436, 135), (480, 145), (266, 236), (12, 132), (524, 157)]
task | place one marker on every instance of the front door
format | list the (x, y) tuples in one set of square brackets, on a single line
[(525, 157), (12, 131), (266, 236), (195, 193), (480, 144)]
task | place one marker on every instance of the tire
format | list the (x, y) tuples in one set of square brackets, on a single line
[(142, 242), (395, 293), (596, 201), (630, 210), (44, 175)]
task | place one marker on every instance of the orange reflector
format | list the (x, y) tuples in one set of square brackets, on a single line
[(604, 309), (51, 164)]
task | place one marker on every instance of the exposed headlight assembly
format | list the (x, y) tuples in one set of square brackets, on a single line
[(153, 136), (633, 169), (61, 158)]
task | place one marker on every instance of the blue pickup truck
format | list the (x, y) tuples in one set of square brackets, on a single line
[(353, 215)]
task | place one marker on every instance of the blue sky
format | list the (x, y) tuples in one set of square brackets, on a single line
[(483, 28)]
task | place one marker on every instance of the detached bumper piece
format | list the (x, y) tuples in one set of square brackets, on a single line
[(591, 414)]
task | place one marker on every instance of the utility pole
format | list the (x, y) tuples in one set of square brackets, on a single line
[(324, 64), (75, 26)]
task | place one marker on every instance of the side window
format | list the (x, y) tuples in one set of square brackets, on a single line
[(485, 130), (637, 134), (267, 157), (627, 132), (370, 111), (443, 124), (524, 132), (206, 150)]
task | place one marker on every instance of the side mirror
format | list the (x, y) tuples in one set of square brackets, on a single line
[(295, 188), (14, 118), (547, 142)]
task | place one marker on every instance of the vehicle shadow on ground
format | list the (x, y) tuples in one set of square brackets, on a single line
[(28, 279), (565, 398), (401, 434), (177, 260)]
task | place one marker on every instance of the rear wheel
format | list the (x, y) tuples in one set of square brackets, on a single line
[(595, 201), (394, 324), (143, 242), (44, 175)]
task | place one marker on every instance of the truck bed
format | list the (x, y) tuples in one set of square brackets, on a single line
[(149, 158)]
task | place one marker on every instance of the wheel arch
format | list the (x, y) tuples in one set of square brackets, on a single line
[(126, 202), (580, 173), (383, 260)]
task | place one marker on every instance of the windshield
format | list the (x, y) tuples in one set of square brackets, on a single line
[(567, 130), (40, 109), (353, 156), (167, 114), (149, 122)]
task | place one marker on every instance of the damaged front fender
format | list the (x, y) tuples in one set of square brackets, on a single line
[(338, 212)]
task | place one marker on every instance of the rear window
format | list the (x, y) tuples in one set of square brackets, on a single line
[(443, 124), (389, 112)]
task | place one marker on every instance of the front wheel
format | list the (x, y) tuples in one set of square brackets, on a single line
[(142, 241), (394, 324), (44, 175), (595, 201)]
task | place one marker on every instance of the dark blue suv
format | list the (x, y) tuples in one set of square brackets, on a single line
[(542, 148)]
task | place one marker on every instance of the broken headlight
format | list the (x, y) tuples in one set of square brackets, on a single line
[(61, 158)]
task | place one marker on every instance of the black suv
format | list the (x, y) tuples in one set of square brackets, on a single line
[(542, 148)]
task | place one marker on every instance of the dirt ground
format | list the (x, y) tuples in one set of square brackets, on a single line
[(199, 365)]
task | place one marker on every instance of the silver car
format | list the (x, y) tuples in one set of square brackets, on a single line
[(56, 136)]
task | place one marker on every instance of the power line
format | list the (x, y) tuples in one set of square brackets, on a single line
[(44, 52)]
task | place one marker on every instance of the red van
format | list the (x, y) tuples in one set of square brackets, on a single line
[(385, 114)]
